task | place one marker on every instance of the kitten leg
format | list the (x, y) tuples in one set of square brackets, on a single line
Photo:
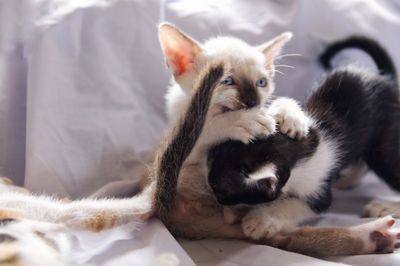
[(383, 158), (290, 117), (380, 208), (383, 155), (378, 236), (283, 214), (374, 237)]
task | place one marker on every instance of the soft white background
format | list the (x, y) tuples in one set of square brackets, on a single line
[(82, 86)]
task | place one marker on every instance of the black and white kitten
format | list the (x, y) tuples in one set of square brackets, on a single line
[(355, 116)]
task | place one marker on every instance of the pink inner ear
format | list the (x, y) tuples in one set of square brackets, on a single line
[(180, 61), (179, 54)]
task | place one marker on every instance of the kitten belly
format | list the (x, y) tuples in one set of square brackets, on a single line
[(310, 174)]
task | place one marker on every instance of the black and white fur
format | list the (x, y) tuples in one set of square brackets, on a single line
[(355, 116)]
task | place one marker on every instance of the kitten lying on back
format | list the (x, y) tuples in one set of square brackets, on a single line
[(355, 116)]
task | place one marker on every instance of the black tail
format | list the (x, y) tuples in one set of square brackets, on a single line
[(177, 147), (380, 56)]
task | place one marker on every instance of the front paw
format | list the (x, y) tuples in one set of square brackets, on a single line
[(241, 125), (295, 125), (292, 121), (257, 225), (252, 123)]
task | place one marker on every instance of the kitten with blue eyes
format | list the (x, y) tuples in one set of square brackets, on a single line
[(237, 108), (248, 87)]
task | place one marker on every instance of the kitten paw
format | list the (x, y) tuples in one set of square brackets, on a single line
[(293, 125), (292, 121), (380, 208), (379, 236), (251, 124), (256, 225), (241, 125)]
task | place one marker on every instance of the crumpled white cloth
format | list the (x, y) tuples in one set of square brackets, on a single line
[(82, 87)]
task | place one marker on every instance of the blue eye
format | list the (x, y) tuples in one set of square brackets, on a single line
[(261, 82), (228, 81)]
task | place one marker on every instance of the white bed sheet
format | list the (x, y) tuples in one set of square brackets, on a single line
[(81, 95), (123, 247)]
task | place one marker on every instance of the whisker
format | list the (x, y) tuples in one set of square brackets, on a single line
[(285, 66), (280, 72), (287, 55), (270, 71)]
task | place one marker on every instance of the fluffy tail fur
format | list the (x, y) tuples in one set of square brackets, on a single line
[(177, 147), (380, 56)]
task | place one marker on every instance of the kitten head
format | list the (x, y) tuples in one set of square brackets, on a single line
[(250, 69)]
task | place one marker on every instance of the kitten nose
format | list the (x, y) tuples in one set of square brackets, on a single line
[(249, 94), (251, 102)]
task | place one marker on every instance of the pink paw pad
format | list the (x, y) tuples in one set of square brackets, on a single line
[(384, 236)]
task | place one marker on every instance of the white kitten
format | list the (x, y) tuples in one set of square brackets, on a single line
[(248, 86)]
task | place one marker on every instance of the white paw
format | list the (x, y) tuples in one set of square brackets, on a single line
[(257, 225), (252, 123), (380, 208), (241, 125), (290, 117), (379, 236), (295, 125)]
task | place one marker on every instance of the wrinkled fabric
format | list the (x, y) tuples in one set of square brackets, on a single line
[(82, 87)]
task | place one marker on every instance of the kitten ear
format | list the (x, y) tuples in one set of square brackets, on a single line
[(181, 51), (274, 47)]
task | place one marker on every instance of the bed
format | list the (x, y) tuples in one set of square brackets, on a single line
[(82, 99)]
